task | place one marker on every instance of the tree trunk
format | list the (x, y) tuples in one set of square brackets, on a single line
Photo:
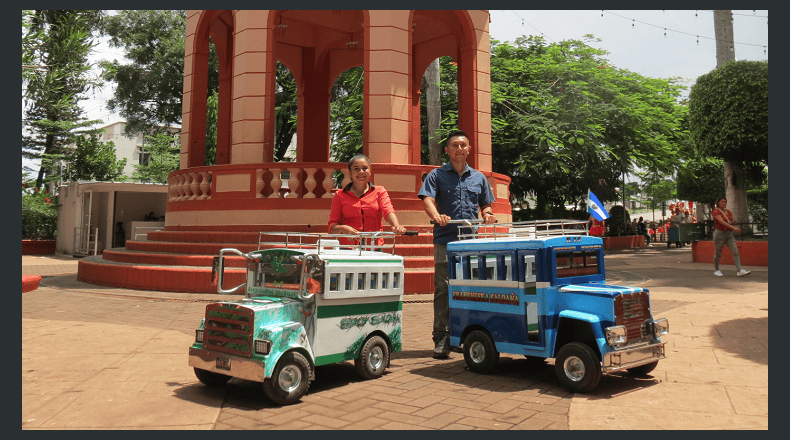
[(733, 173), (434, 112), (736, 194)]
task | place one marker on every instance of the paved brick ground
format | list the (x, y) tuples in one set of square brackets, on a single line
[(96, 357)]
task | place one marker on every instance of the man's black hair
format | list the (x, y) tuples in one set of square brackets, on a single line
[(455, 133)]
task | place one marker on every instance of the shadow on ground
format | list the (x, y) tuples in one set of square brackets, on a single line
[(746, 338)]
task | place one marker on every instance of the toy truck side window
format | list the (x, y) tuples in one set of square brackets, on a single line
[(576, 263), (385, 280)]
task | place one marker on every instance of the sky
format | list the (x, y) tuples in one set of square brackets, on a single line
[(634, 39)]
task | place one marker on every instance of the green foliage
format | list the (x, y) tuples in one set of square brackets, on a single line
[(565, 121), (285, 107), (346, 108), (150, 87), (728, 112), (56, 44), (701, 181), (163, 158), (39, 213), (212, 112), (94, 160), (758, 207)]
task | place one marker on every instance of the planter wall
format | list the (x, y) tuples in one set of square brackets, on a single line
[(38, 247), (753, 253), (626, 241)]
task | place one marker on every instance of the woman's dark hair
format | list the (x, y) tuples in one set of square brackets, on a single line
[(716, 205), (356, 158)]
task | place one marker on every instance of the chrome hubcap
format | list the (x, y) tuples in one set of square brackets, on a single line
[(477, 352), (574, 368), (375, 358), (289, 379)]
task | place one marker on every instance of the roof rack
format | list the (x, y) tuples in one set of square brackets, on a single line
[(365, 241), (530, 229)]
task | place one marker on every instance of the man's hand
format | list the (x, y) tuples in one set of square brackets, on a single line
[(441, 219), (489, 218)]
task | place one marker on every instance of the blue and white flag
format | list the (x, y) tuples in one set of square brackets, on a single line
[(595, 207)]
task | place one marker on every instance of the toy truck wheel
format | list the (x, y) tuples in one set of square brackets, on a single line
[(210, 378), (480, 352), (373, 358), (577, 367), (290, 379), (643, 370)]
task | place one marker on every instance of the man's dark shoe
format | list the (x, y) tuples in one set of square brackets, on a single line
[(442, 349)]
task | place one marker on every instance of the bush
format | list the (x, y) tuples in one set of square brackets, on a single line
[(39, 216), (757, 199)]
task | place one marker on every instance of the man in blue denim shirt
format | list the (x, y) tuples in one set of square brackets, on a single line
[(453, 191)]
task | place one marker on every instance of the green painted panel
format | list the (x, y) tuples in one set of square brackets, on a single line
[(358, 309)]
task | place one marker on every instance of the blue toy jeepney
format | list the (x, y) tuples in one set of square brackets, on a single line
[(539, 289)]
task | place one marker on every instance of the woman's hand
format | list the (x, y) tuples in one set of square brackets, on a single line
[(398, 229), (344, 230)]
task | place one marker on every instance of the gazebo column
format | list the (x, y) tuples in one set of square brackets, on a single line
[(388, 106), (312, 138), (253, 90)]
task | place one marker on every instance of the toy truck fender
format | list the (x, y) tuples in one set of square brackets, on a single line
[(284, 337), (575, 326)]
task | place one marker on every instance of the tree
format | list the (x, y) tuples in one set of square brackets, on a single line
[(701, 181), (150, 87), (565, 121), (94, 160), (57, 45), (728, 119), (163, 150)]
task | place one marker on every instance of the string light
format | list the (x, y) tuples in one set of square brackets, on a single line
[(679, 32)]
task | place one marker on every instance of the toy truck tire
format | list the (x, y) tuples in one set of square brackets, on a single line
[(373, 358), (643, 370), (210, 378), (290, 379), (480, 352), (577, 367)]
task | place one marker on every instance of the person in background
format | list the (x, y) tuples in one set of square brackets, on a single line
[(596, 227), (451, 192), (361, 206), (723, 234), (677, 219)]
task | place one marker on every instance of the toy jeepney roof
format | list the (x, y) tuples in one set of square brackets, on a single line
[(524, 243), (538, 234), (328, 247)]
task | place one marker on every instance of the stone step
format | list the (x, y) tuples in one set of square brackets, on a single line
[(248, 237), (122, 255), (423, 250), (194, 279)]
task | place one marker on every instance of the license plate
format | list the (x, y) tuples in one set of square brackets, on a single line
[(223, 363)]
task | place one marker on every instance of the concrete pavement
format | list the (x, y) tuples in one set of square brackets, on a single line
[(105, 358)]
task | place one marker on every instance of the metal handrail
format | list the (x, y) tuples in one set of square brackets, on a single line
[(527, 229), (364, 241)]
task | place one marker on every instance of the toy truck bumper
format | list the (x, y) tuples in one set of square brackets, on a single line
[(633, 357), (228, 365)]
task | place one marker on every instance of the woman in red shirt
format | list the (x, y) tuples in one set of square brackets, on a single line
[(723, 234), (361, 206)]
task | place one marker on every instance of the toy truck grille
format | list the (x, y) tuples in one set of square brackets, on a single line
[(228, 329), (632, 310)]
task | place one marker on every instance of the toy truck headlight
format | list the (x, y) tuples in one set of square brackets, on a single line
[(263, 347), (199, 336), (660, 327), (616, 336)]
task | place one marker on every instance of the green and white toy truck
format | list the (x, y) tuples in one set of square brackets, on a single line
[(309, 301)]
